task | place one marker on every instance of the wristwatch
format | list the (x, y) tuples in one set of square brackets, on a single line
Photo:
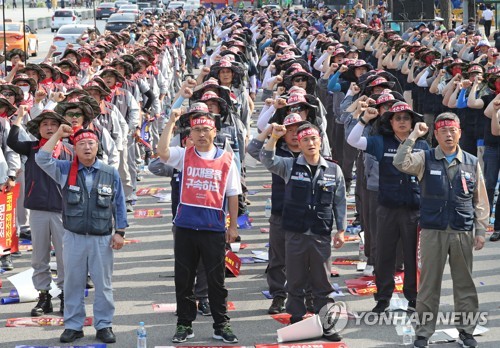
[(120, 232)]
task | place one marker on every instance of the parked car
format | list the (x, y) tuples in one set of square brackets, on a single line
[(62, 17), (68, 34), (120, 21), (15, 38), (105, 10)]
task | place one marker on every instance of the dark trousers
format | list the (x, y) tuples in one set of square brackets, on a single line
[(200, 286), (491, 158), (394, 224), (348, 158), (370, 203), (487, 28), (189, 246), (189, 60), (276, 276), (308, 258)]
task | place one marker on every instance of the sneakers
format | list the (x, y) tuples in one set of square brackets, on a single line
[(381, 307), (421, 342), (6, 263), (368, 271), (467, 340), (495, 236), (225, 334), (204, 307), (278, 306), (182, 333), (412, 305)]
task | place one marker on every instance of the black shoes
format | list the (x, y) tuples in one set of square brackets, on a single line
[(412, 305), (278, 306), (182, 334), (204, 307), (334, 337), (495, 236), (69, 336), (381, 307), (25, 235), (225, 334), (421, 342), (106, 335), (44, 304), (467, 340), (6, 263), (309, 303)]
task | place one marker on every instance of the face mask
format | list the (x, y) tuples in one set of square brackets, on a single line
[(25, 89)]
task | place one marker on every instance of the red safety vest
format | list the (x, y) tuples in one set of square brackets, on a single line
[(204, 180)]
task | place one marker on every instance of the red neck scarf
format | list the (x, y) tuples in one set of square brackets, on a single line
[(57, 149), (4, 115)]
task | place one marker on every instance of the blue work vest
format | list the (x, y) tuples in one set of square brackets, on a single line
[(308, 202), (447, 202), (397, 189)]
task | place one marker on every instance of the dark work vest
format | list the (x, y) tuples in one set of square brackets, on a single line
[(397, 189), (90, 212), (278, 186), (448, 203), (309, 205)]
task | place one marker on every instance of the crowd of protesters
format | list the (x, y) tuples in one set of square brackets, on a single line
[(411, 115)]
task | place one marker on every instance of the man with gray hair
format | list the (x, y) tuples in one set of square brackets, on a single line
[(453, 204)]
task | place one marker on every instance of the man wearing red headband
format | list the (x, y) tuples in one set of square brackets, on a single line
[(92, 199), (314, 198), (210, 185), (454, 214)]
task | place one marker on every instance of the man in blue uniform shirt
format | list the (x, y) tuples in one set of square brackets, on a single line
[(92, 198)]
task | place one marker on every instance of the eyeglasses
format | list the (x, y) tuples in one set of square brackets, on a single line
[(296, 109), (402, 118), (74, 114), (8, 94), (300, 79), (203, 130)]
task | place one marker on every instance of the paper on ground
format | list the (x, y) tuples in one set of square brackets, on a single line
[(25, 288), (262, 255), (361, 266)]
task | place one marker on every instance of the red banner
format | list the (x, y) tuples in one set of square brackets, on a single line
[(41, 321), (305, 345), (366, 285), (345, 261), (148, 213), (8, 233)]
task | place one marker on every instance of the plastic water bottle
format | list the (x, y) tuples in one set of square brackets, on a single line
[(142, 336), (267, 209), (407, 335)]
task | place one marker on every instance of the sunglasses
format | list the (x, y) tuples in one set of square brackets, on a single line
[(8, 94), (73, 114), (300, 79), (296, 109), (402, 118)]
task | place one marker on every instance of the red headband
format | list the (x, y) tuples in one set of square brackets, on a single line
[(307, 132), (202, 121), (446, 123), (85, 135)]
